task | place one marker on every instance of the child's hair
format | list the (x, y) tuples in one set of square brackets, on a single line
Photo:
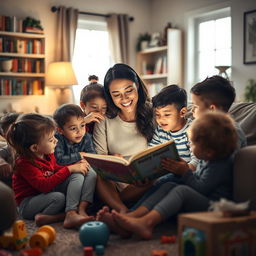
[(92, 77), (6, 121), (63, 113), (215, 90), (171, 94), (28, 129), (144, 113), (215, 131), (92, 91)]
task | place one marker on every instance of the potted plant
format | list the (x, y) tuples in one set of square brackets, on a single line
[(143, 41), (250, 91)]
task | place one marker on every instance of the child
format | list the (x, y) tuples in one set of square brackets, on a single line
[(73, 142), (93, 103), (170, 107), (212, 179), (215, 93), (42, 188), (7, 154)]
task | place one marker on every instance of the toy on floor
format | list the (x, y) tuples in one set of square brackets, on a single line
[(88, 251), (99, 249), (94, 233), (168, 239), (159, 253), (31, 252), (16, 240), (44, 236)]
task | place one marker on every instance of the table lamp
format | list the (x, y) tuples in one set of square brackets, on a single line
[(61, 76)]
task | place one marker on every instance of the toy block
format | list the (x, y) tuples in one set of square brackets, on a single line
[(211, 234), (31, 252), (99, 249), (44, 236), (168, 239), (88, 251), (16, 240), (159, 253)]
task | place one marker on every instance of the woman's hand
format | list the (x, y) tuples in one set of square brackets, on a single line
[(93, 117), (178, 167)]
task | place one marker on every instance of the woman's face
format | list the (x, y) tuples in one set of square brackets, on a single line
[(124, 94)]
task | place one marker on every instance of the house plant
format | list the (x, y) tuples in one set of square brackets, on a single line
[(250, 91), (143, 41)]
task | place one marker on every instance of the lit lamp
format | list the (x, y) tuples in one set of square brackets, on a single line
[(60, 75)]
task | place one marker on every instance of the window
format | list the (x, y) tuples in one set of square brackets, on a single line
[(212, 43), (91, 53)]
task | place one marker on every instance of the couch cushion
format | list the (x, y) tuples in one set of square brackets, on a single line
[(245, 114)]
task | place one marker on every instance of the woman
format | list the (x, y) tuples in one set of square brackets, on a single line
[(127, 129)]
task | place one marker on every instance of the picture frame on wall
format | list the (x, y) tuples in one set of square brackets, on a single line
[(250, 37)]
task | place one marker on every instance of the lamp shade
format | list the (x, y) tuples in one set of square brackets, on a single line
[(60, 75)]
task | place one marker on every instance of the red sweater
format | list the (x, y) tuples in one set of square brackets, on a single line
[(30, 179)]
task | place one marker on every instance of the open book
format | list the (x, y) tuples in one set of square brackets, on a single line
[(145, 164)]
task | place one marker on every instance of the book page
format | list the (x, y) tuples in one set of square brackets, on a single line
[(110, 158)]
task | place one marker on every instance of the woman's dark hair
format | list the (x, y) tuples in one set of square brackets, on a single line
[(63, 114), (144, 113), (28, 129), (92, 91)]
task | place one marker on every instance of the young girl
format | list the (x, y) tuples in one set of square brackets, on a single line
[(42, 188), (93, 103)]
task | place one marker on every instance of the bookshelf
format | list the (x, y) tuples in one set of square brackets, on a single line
[(27, 54), (162, 65)]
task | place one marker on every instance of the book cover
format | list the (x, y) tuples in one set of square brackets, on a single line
[(145, 164)]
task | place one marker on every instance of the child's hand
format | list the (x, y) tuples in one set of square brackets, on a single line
[(93, 117), (82, 154), (80, 167), (5, 170), (177, 167)]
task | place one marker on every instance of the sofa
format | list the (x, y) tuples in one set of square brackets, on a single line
[(245, 159)]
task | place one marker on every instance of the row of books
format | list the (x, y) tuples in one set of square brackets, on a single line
[(10, 23), (158, 67), (21, 87), (154, 88), (34, 46), (27, 65)]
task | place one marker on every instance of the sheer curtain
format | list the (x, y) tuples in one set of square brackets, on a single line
[(118, 29), (66, 33)]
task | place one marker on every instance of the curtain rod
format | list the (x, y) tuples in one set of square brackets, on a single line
[(54, 9)]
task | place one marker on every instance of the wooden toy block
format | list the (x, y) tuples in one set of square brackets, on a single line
[(88, 251), (16, 240), (31, 252), (159, 253), (211, 234), (44, 236), (168, 239)]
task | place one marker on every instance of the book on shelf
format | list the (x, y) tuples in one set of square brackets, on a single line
[(145, 164), (159, 66)]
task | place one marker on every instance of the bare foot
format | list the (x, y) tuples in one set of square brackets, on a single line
[(134, 225), (105, 216), (74, 220), (43, 219)]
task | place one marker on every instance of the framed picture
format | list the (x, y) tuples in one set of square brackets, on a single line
[(250, 37)]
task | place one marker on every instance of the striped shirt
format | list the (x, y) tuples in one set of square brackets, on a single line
[(181, 141)]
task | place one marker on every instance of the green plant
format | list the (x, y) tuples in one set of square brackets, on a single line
[(142, 37), (250, 91)]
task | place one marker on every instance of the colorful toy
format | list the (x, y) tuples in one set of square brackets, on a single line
[(16, 240), (88, 251), (99, 249), (44, 236), (218, 235), (159, 253), (94, 233), (31, 252), (168, 239)]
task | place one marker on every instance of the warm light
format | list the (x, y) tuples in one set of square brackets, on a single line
[(60, 75)]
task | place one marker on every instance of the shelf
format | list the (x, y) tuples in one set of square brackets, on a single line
[(22, 35), (154, 76), (21, 74), (22, 55), (154, 49), (19, 96)]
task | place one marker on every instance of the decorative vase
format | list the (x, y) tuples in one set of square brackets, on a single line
[(6, 65), (143, 45)]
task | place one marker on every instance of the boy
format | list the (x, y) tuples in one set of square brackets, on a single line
[(212, 179), (215, 93), (73, 142), (6, 153)]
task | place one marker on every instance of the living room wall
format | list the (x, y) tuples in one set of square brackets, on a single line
[(176, 11), (46, 104)]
